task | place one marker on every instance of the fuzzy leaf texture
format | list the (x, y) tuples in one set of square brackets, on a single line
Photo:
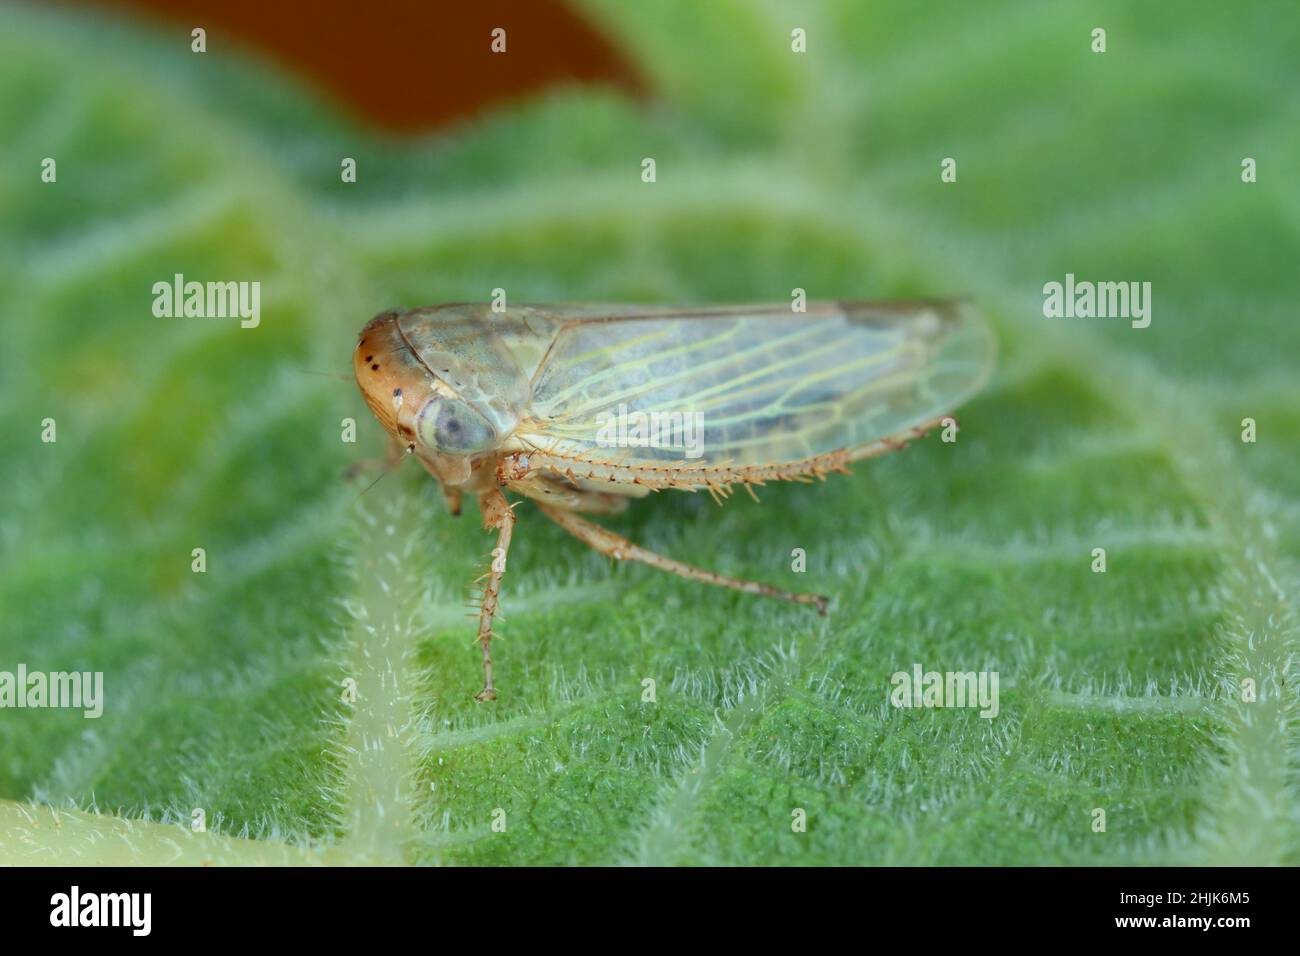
[(225, 690)]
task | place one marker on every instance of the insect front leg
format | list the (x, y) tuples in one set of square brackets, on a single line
[(451, 493), (496, 515), (453, 500), (619, 548)]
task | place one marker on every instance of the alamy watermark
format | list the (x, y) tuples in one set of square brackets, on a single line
[(75, 908), (209, 300), (631, 429), (922, 688), (1098, 300), (76, 690)]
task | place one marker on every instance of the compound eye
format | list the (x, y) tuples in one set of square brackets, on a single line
[(449, 425)]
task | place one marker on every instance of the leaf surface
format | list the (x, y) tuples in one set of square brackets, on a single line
[(225, 690)]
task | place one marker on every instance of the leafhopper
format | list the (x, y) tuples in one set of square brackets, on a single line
[(580, 408)]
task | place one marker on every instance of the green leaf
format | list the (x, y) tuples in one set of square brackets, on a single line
[(225, 691)]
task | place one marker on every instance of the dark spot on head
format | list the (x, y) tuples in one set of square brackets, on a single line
[(369, 358), (375, 367), (397, 393)]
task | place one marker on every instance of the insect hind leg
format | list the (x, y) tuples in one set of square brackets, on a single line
[(556, 492), (620, 549)]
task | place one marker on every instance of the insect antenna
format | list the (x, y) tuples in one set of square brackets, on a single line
[(312, 371), (382, 475)]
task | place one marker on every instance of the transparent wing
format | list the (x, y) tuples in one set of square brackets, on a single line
[(752, 385)]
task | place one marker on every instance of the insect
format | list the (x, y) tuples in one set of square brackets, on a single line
[(580, 408)]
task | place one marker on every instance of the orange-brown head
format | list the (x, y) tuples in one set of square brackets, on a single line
[(415, 405)]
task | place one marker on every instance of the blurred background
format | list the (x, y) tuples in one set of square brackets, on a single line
[(776, 169), (408, 67)]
